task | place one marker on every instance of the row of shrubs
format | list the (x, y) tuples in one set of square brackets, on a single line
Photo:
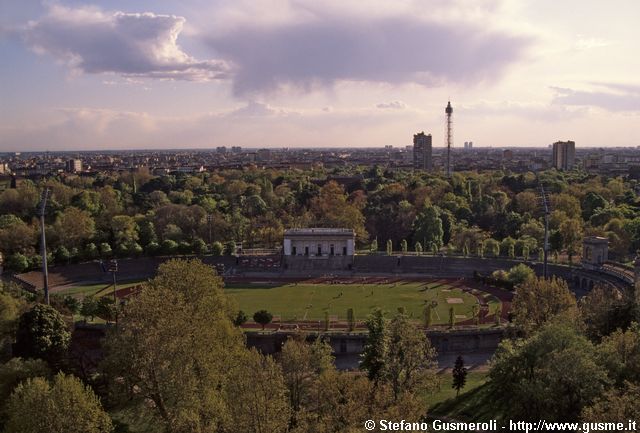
[(506, 279), (19, 262)]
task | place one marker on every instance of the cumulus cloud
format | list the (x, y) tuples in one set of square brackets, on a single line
[(394, 105), (257, 109), (618, 97), (130, 44), (394, 49)]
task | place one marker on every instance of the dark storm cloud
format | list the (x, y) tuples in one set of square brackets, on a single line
[(390, 50), (142, 45)]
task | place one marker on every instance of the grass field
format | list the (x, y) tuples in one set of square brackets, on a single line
[(477, 402), (99, 289), (446, 394), (304, 301)]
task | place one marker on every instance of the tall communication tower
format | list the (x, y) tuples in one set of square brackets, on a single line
[(449, 112)]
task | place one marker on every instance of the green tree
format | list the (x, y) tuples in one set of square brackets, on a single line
[(459, 374), (351, 320), (302, 363), (538, 301), (332, 209), (198, 246), (520, 273), (74, 227), (493, 246), (42, 333), (169, 247), (374, 245), (16, 236), (91, 251), (124, 230), (615, 405), (428, 315), (64, 405), (409, 360), (13, 372), (591, 203), (73, 304), (10, 308), (256, 396), (418, 248), (262, 317), (552, 375), (230, 248), (571, 236), (241, 318), (175, 345), (89, 308), (17, 262), (147, 233), (375, 347), (217, 248), (604, 310), (620, 353), (427, 227), (62, 255), (105, 250)]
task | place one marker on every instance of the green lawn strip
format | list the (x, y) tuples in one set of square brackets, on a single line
[(291, 301), (96, 289), (446, 392), (476, 403)]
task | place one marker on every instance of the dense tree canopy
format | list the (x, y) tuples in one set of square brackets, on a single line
[(64, 405), (135, 213)]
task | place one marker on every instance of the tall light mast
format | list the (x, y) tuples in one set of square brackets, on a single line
[(43, 243), (449, 112)]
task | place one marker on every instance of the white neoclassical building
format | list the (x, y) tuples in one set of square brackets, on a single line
[(319, 242)]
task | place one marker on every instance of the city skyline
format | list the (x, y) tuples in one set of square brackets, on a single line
[(169, 75)]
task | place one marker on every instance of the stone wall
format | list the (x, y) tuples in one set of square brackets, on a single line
[(348, 347), (445, 267)]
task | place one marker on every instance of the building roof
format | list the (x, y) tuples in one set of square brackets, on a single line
[(596, 239), (319, 231)]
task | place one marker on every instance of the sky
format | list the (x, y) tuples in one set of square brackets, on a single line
[(145, 74)]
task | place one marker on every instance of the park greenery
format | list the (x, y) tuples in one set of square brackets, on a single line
[(486, 214), (178, 363)]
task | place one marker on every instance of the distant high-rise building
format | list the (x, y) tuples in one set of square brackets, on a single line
[(73, 165), (422, 152), (564, 155), (236, 149), (263, 155), (221, 149)]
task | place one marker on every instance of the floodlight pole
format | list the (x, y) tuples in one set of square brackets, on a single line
[(43, 244), (113, 268), (546, 231)]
